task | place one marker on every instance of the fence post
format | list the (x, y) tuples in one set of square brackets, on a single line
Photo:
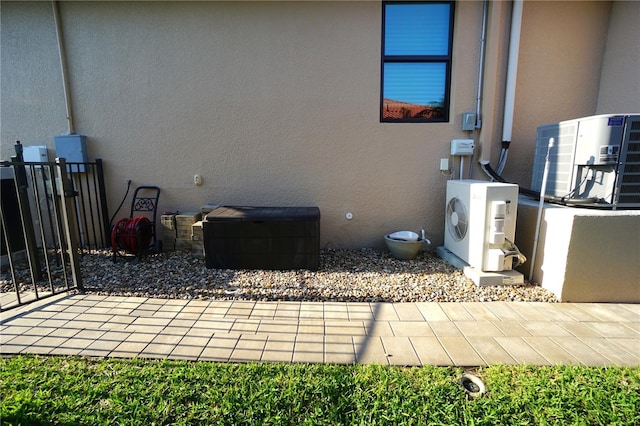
[(67, 194), (20, 176), (103, 202)]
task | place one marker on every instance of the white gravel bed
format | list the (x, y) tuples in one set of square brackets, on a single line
[(364, 275)]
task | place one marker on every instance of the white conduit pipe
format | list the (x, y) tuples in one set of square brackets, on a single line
[(543, 190), (512, 70), (481, 66), (512, 74), (63, 65)]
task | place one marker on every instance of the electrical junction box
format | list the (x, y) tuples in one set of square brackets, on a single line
[(35, 154), (73, 148), (462, 147), (468, 121)]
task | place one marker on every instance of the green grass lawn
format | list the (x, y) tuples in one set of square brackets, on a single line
[(69, 391)]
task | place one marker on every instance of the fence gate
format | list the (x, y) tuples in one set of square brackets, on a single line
[(51, 214)]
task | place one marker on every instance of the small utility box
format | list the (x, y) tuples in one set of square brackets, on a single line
[(73, 148), (275, 238)]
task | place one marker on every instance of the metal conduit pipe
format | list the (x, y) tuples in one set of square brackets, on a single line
[(63, 65)]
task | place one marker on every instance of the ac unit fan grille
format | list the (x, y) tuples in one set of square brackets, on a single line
[(457, 219)]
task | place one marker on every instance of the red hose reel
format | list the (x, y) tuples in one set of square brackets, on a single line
[(132, 235)]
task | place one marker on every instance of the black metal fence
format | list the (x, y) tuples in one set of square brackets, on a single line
[(52, 213)]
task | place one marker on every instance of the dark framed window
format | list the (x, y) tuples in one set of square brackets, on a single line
[(416, 61)]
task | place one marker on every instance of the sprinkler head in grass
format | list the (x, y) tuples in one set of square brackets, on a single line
[(472, 385)]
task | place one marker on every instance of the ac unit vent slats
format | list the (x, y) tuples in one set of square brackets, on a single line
[(594, 157)]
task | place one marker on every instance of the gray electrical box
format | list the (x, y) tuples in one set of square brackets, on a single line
[(35, 154), (73, 148), (468, 121)]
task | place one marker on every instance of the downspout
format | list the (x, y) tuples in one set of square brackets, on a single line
[(483, 42), (63, 66), (510, 90)]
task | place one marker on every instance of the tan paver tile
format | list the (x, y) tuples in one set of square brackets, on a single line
[(456, 312), (379, 328), (511, 328), (408, 312), (118, 322), (336, 311), (248, 326), (311, 326), (54, 323), (411, 328), (431, 311), (170, 339), (339, 350), (189, 348), (579, 329), (26, 321), (287, 311), (384, 312), (400, 351), (157, 350), (8, 333), (139, 337), (359, 311), (613, 352), (264, 310), (41, 331), (215, 326), (577, 313), (460, 351), (529, 311), (249, 348), (182, 322), (553, 311), (24, 340), (349, 328), (479, 311), (336, 315), (581, 351), (491, 351), (101, 346), (279, 348), (309, 348), (552, 352), (632, 307), (311, 310), (521, 351), (369, 350), (215, 354), (632, 346), (607, 312), (478, 328), (545, 328), (152, 322), (272, 326), (445, 329), (612, 329), (239, 309), (430, 351), (10, 349)]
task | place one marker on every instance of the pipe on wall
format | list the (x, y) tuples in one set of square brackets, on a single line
[(485, 7), (512, 70), (63, 66)]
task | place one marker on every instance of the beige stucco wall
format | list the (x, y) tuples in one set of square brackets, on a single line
[(278, 103), (620, 81), (561, 53)]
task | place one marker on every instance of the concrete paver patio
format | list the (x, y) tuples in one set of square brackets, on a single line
[(408, 334)]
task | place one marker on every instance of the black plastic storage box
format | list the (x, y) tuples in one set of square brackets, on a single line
[(262, 238)]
